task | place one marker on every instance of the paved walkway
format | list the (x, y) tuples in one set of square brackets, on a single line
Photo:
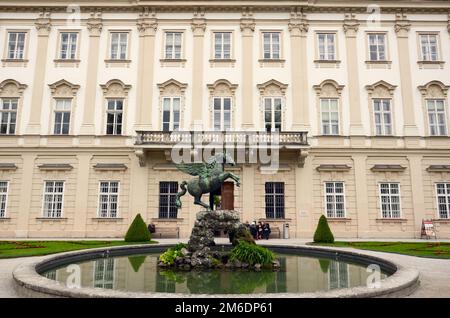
[(434, 273)]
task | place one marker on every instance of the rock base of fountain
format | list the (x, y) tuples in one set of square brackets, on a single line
[(198, 253)]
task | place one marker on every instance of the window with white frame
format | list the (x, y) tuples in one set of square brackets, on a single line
[(338, 275), (62, 116), (104, 273), (382, 116), (222, 113), (114, 113), (222, 45), (274, 198), (443, 199), (3, 198), (171, 113), (68, 49), (173, 45), (272, 113), (8, 115), (327, 46), (119, 43), (167, 195), (377, 47), (436, 117), (16, 45), (390, 200), (429, 47), (108, 200), (53, 199), (271, 45), (335, 199), (329, 110)]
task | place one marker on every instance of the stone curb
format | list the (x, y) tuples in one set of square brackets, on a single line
[(29, 283)]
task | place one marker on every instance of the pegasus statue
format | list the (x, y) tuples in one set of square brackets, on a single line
[(210, 174)]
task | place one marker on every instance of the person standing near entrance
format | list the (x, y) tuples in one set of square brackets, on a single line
[(266, 231)]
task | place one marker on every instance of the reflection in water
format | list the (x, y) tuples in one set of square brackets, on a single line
[(140, 274), (104, 273)]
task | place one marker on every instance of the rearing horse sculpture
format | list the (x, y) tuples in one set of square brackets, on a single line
[(210, 174)]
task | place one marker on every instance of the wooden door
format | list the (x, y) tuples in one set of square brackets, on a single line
[(227, 194)]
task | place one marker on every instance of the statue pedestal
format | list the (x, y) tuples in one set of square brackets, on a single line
[(207, 223)]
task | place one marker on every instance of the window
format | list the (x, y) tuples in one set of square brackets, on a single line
[(330, 116), (68, 50), (104, 273), (390, 200), (167, 194), (8, 115), (173, 45), (382, 116), (271, 45), (108, 199), (272, 113), (3, 198), (114, 117), (222, 45), (377, 47), (171, 113), (428, 46), (119, 41), (443, 199), (436, 117), (62, 116), (222, 113), (53, 199), (338, 275), (327, 49), (275, 200), (16, 45), (335, 203)]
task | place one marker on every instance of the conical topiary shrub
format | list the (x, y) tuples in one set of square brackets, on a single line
[(138, 232), (136, 262), (323, 233)]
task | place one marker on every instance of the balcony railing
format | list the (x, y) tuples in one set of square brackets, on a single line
[(243, 138)]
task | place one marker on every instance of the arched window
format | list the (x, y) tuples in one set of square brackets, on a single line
[(434, 100), (222, 104), (115, 92), (273, 98), (10, 102), (63, 107), (172, 97), (328, 100), (381, 108)]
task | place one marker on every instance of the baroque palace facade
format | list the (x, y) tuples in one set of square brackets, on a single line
[(90, 94)]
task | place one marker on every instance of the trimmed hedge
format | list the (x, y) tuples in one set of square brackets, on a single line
[(323, 233), (138, 232)]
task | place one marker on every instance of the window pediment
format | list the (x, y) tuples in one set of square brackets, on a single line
[(328, 88), (115, 88), (222, 87), (434, 89), (272, 88), (11, 88), (172, 87), (64, 88), (381, 89)]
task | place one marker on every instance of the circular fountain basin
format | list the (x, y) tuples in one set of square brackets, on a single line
[(132, 271)]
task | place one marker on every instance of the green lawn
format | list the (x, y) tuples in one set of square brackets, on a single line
[(425, 249), (10, 249)]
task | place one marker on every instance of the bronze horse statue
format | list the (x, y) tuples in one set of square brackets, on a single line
[(210, 174)]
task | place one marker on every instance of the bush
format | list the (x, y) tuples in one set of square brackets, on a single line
[(138, 232), (136, 262), (169, 256), (323, 233), (251, 254)]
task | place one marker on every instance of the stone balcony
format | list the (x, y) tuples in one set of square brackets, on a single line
[(146, 141)]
